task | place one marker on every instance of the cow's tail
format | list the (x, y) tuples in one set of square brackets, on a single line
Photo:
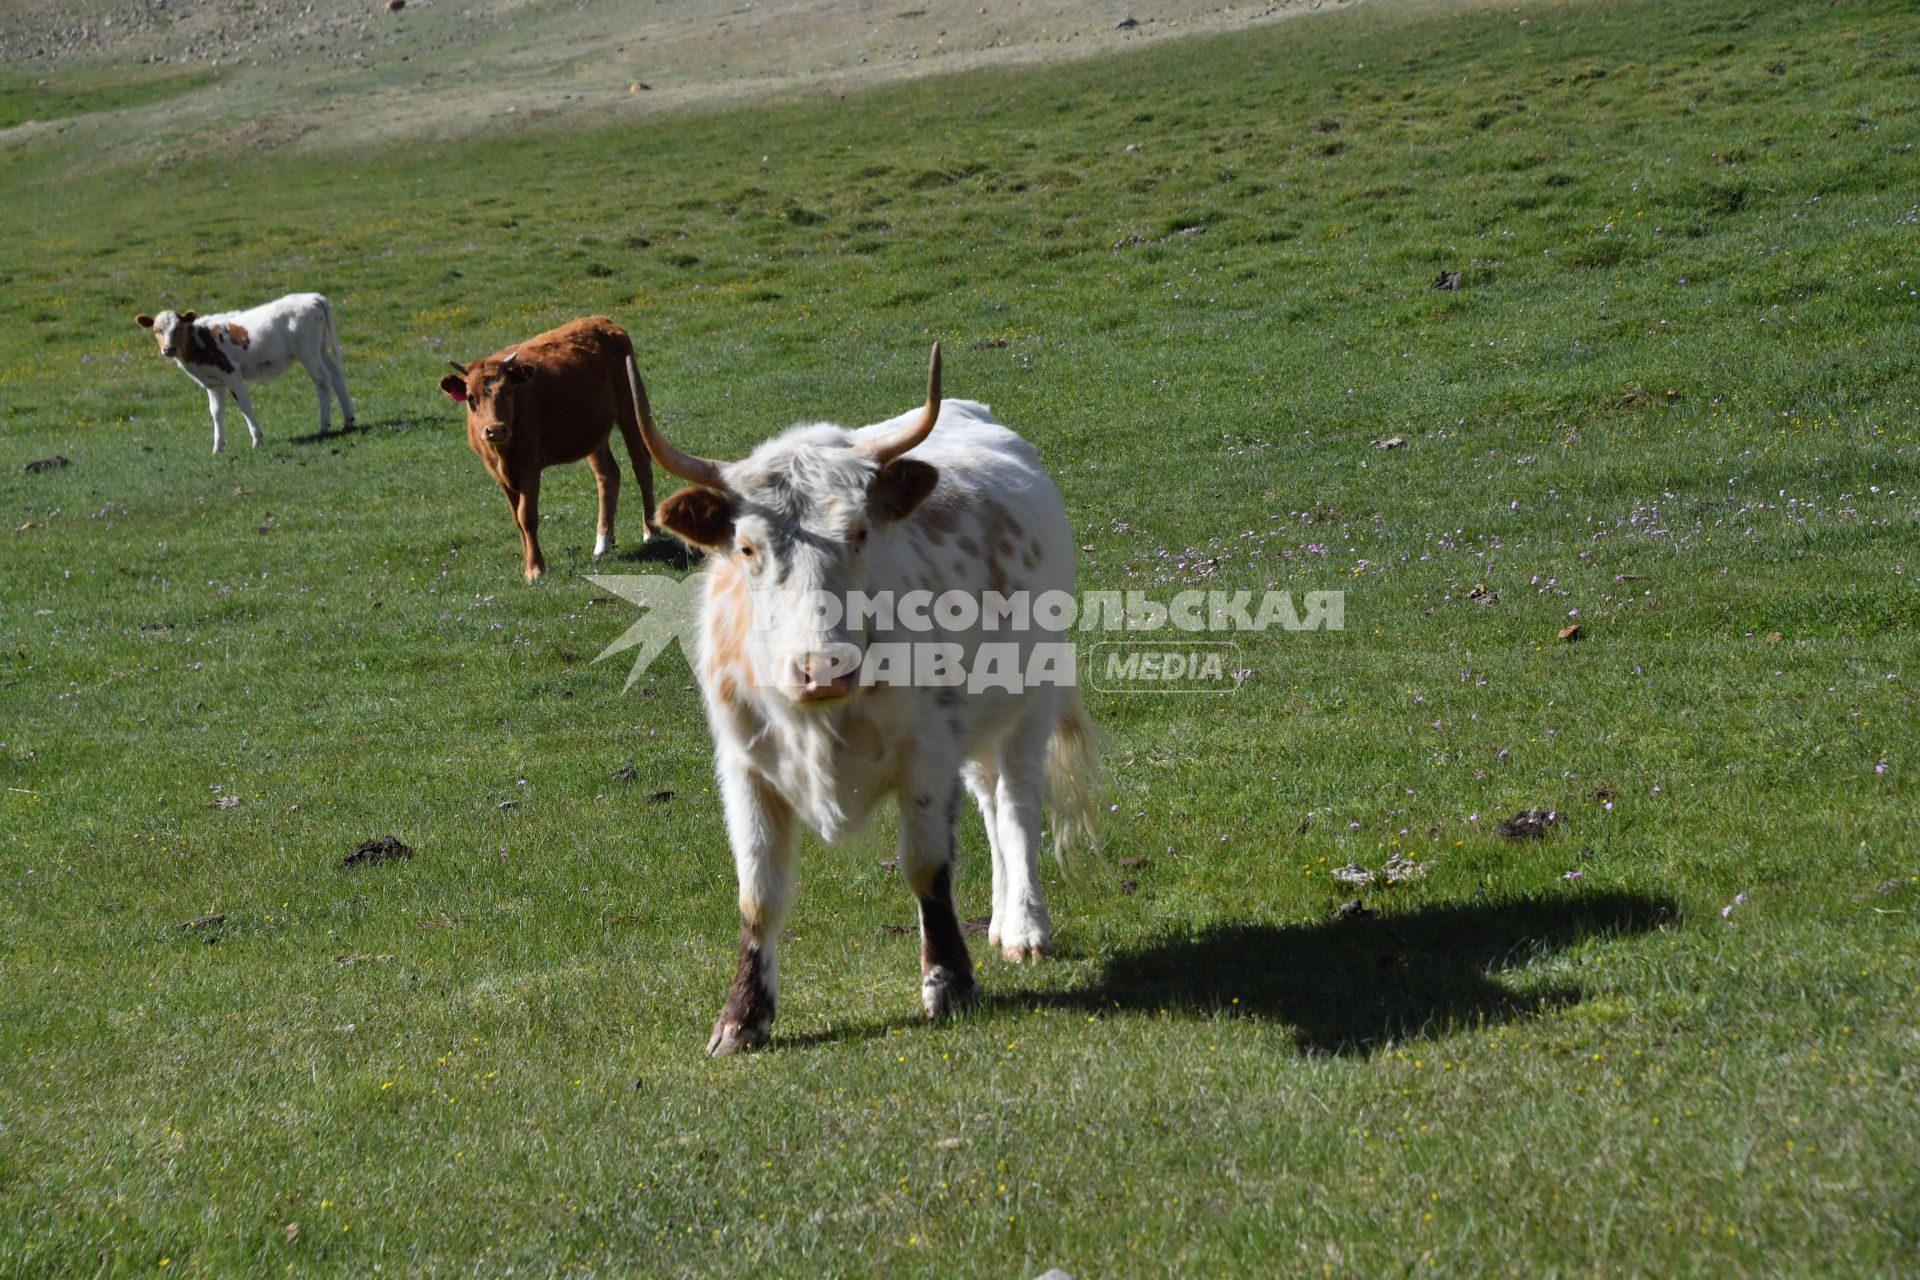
[(1073, 779), (332, 334), (630, 423)]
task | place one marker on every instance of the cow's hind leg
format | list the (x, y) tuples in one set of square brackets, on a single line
[(245, 401), (1025, 932), (761, 828), (928, 811), (606, 473), (338, 377), (326, 401)]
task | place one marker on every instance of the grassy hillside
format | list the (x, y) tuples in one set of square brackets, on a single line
[(1672, 400)]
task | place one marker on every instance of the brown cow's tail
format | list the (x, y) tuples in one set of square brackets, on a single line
[(630, 422), (1073, 779)]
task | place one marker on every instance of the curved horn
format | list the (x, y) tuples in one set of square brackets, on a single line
[(884, 449), (509, 358), (701, 471), (458, 367)]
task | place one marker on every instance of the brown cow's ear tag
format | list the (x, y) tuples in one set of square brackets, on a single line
[(699, 516), (455, 386)]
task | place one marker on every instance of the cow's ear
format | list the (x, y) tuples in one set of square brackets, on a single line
[(454, 385), (517, 372), (188, 317), (145, 322), (699, 516), (900, 487)]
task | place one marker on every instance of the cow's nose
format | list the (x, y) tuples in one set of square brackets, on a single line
[(495, 435), (819, 677)]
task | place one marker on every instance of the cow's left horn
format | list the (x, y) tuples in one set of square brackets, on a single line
[(458, 367), (884, 449), (509, 358)]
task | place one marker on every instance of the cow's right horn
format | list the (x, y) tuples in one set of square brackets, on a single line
[(884, 449), (701, 471)]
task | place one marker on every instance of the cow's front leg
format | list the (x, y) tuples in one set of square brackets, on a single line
[(245, 401), (761, 827), (926, 860), (526, 511), (217, 407), (606, 474)]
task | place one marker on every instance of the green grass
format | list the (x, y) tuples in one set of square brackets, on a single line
[(1675, 393)]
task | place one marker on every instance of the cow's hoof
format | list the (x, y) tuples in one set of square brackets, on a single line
[(944, 993), (730, 1038), (256, 441), (534, 575), (1026, 952), (601, 546)]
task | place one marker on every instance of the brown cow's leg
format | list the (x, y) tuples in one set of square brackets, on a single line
[(926, 859), (526, 509), (606, 473), (760, 826), (644, 466)]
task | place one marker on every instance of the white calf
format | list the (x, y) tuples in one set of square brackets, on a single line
[(227, 351)]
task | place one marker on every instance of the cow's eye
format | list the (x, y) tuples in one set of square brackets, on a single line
[(747, 551), (860, 537)]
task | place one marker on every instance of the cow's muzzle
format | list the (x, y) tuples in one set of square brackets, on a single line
[(825, 677), (494, 435)]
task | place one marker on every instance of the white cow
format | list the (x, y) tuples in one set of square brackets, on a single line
[(807, 730), (227, 351)]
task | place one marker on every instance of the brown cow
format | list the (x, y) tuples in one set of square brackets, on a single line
[(549, 400)]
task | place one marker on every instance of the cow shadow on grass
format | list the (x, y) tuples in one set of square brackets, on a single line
[(1345, 987), (1350, 986), (367, 427)]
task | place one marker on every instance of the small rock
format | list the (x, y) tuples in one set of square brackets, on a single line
[(395, 6), (1569, 634), (1126, 24), (371, 853), (638, 87), (1391, 442), (1353, 873), (1400, 869)]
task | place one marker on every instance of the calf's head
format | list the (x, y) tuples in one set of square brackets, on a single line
[(487, 387), (169, 328), (796, 521)]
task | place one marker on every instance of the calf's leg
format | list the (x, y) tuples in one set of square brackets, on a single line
[(245, 401), (606, 474), (926, 860), (326, 401), (338, 377), (760, 826), (217, 406)]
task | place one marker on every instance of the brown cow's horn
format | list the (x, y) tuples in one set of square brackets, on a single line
[(701, 471), (458, 367), (509, 358), (884, 449)]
